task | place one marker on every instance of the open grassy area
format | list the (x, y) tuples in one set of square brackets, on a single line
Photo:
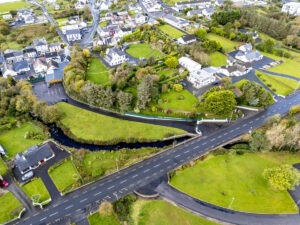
[(10, 207), (3, 167), (14, 140), (217, 59), (143, 50), (36, 187), (64, 175), (179, 101), (219, 179), (89, 126), (163, 213), (171, 31), (100, 163), (227, 44), (62, 21), (171, 2), (97, 219), (103, 24), (6, 7), (97, 72), (280, 85)]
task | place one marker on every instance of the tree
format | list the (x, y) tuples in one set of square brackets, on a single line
[(106, 209), (220, 103), (177, 87), (144, 92), (171, 62), (124, 101), (86, 53), (200, 33), (35, 198), (259, 142), (281, 178)]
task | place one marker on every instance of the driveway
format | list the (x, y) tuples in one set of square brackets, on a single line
[(52, 95)]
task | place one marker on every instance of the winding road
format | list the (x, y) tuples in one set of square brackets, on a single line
[(127, 180)]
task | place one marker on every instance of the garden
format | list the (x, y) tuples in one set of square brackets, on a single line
[(12, 207), (36, 191), (171, 31), (234, 180), (143, 50), (97, 72), (227, 45), (87, 126), (65, 176)]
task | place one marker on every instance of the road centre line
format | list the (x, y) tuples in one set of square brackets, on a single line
[(134, 176), (177, 156), (43, 218), (53, 214), (167, 160), (157, 165), (111, 187), (147, 170), (83, 200), (123, 181), (70, 206)]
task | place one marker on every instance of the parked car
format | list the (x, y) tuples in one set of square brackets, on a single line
[(3, 183), (27, 176), (64, 100)]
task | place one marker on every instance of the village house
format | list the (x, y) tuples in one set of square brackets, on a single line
[(73, 34), (41, 45), (175, 21), (54, 47), (140, 19), (30, 52), (21, 67), (246, 54), (7, 16), (292, 8), (200, 78), (179, 6), (11, 56), (151, 5), (187, 39), (189, 64), (40, 65), (52, 56), (115, 56)]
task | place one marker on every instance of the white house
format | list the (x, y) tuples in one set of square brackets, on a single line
[(11, 56), (246, 47), (115, 56), (189, 64), (54, 47), (175, 21), (292, 8), (73, 35), (246, 54), (192, 4), (7, 16), (41, 45), (151, 5), (196, 12), (9, 72), (30, 52), (140, 19), (40, 66), (187, 39), (200, 78), (29, 19)]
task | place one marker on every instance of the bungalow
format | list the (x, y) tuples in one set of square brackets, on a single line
[(187, 39), (175, 21), (21, 67), (33, 158), (151, 5), (235, 70), (73, 35), (200, 78), (115, 56), (40, 66), (40, 45), (189, 64), (248, 56)]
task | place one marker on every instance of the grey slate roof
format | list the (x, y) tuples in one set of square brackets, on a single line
[(188, 37), (39, 42), (20, 65)]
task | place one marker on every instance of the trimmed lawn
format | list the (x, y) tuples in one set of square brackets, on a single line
[(283, 86), (97, 72), (100, 163), (171, 31), (64, 176), (6, 7), (36, 187), (10, 207), (217, 59), (3, 167), (163, 213), (219, 179), (103, 24), (179, 101), (168, 72), (14, 140), (89, 126), (227, 44), (143, 50), (97, 219), (62, 21)]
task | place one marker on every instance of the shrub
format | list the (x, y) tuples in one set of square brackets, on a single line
[(294, 110)]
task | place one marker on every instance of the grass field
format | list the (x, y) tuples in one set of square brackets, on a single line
[(217, 59), (64, 176), (143, 50), (3, 167), (96, 219), (163, 213), (181, 101), (36, 187), (171, 31), (91, 126), (10, 207), (13, 140), (221, 178), (282, 85), (97, 72), (62, 21), (227, 44), (6, 7), (103, 24), (168, 72), (99, 163)]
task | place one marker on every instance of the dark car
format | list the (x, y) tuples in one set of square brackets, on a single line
[(3, 183), (64, 100)]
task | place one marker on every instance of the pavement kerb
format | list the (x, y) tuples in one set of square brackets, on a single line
[(154, 196), (19, 217)]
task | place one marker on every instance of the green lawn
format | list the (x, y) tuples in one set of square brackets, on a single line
[(89, 126), (36, 187), (62, 21), (3, 167), (227, 44), (6, 7), (64, 176), (143, 50), (10, 207), (100, 163), (168, 72), (103, 24), (97, 219), (13, 140), (282, 85), (179, 101), (97, 72), (217, 59), (163, 213), (171, 31), (221, 178)]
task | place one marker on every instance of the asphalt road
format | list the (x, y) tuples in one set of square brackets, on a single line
[(140, 174)]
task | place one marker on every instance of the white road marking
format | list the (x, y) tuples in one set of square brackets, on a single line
[(83, 200), (111, 187), (213, 139), (123, 181), (157, 165), (70, 206), (43, 218), (147, 170), (134, 176), (196, 147), (168, 160), (186, 151), (53, 214), (177, 156)]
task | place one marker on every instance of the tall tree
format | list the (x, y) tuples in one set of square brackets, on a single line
[(144, 92)]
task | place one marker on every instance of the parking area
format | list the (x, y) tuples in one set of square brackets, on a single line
[(53, 94)]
